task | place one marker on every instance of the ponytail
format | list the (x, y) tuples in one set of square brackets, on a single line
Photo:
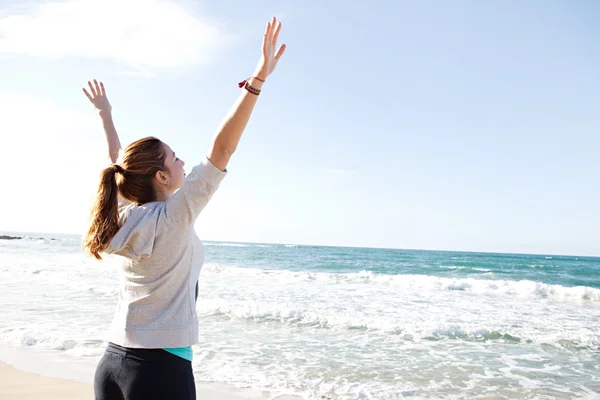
[(104, 218), (140, 162)]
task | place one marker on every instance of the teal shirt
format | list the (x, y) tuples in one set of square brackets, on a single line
[(183, 352)]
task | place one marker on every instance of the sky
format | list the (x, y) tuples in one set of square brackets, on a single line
[(442, 125)]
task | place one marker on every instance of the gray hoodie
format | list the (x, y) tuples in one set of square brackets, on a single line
[(162, 258)]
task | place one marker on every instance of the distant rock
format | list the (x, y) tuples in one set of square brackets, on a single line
[(6, 237)]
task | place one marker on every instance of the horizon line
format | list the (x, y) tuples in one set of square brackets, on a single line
[(345, 246)]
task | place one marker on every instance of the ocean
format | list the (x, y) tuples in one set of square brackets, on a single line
[(337, 322)]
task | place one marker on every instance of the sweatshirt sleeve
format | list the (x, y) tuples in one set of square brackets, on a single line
[(186, 204)]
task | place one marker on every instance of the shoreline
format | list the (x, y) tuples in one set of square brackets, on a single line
[(19, 385), (27, 373)]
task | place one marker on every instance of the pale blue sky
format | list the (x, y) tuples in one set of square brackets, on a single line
[(458, 125)]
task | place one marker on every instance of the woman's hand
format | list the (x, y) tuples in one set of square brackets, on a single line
[(98, 97), (100, 101), (270, 57)]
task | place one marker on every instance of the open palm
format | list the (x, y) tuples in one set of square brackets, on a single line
[(98, 96), (270, 53)]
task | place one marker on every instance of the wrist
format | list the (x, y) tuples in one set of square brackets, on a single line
[(105, 113), (261, 73), (256, 82)]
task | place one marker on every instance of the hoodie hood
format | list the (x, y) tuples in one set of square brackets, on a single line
[(135, 239)]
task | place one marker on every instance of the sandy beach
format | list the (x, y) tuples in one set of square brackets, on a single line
[(19, 385), (34, 375)]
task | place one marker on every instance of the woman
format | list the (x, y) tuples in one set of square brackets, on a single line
[(141, 215)]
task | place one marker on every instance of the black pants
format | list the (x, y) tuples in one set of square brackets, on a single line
[(149, 374)]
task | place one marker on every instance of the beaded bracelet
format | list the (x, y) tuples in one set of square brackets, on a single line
[(251, 89), (246, 85)]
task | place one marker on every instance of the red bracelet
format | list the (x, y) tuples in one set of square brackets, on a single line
[(243, 83)]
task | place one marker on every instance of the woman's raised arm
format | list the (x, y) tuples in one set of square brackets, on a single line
[(233, 125), (100, 101)]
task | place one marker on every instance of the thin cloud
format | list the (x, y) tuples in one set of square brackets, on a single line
[(41, 137), (339, 171), (145, 35)]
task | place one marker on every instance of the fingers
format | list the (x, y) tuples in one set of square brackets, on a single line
[(280, 51), (98, 92), (270, 38), (265, 40), (276, 33), (95, 90), (270, 29), (92, 90), (87, 94)]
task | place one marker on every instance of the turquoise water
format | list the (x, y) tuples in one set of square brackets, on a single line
[(551, 269), (340, 323)]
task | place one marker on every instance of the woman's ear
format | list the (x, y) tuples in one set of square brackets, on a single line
[(161, 177)]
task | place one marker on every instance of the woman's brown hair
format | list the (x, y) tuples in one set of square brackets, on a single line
[(132, 179)]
